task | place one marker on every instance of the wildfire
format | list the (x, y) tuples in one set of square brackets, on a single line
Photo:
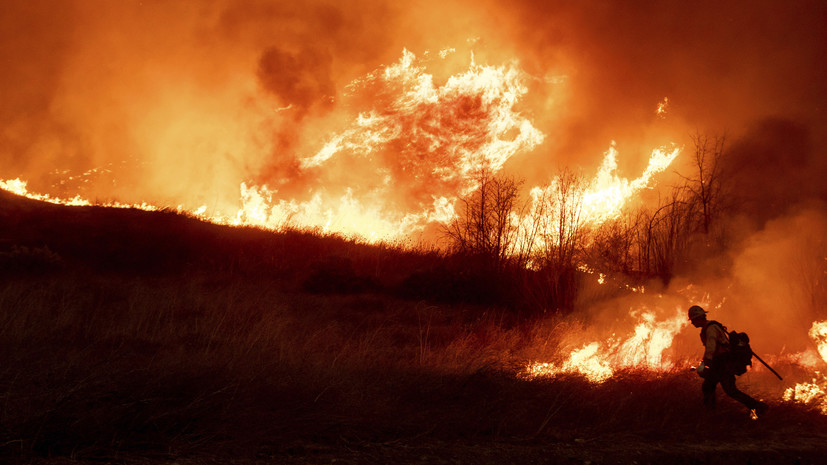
[(419, 147), (814, 392), (19, 187), (608, 192), (404, 161), (643, 349)]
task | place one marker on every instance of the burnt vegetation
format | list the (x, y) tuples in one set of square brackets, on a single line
[(129, 334)]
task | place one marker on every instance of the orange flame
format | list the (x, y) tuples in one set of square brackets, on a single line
[(813, 393), (608, 192), (421, 138), (818, 333), (19, 187), (425, 143), (644, 349)]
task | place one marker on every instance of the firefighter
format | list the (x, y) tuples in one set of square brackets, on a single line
[(714, 368)]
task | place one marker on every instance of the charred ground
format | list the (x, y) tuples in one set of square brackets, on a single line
[(151, 337)]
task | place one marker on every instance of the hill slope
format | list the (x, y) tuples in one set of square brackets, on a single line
[(138, 337)]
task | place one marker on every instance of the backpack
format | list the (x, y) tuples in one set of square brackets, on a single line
[(740, 352)]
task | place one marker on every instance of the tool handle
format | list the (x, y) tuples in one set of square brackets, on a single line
[(768, 367)]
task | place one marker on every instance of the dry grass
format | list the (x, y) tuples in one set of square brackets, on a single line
[(100, 366), (222, 351)]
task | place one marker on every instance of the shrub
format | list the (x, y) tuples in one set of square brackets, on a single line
[(336, 275), (29, 260)]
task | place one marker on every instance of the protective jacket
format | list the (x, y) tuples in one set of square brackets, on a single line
[(715, 341)]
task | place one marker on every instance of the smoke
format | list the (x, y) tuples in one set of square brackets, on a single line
[(779, 277), (749, 73), (302, 80), (723, 67), (180, 102), (774, 167)]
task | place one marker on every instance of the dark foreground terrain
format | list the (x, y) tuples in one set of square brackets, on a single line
[(458, 452), (150, 338)]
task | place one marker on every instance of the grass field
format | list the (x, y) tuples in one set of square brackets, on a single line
[(136, 337)]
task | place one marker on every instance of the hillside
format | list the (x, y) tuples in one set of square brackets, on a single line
[(42, 237), (151, 337), (131, 241)]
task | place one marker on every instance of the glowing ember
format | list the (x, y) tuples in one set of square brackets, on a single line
[(662, 107), (598, 361)]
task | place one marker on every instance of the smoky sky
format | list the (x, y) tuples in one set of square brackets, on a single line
[(181, 101)]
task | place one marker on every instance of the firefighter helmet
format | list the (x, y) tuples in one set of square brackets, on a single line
[(696, 312)]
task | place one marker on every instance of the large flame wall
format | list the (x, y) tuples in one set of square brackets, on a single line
[(180, 102)]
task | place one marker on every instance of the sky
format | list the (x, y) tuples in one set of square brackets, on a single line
[(180, 102)]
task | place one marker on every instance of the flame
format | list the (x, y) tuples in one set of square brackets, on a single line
[(444, 148), (608, 193), (601, 199), (424, 141), (407, 158), (644, 349), (814, 392), (662, 107), (818, 333), (19, 187)]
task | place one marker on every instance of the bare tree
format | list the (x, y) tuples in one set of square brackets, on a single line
[(561, 224), (557, 219), (705, 185), (615, 244), (485, 225), (666, 236)]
